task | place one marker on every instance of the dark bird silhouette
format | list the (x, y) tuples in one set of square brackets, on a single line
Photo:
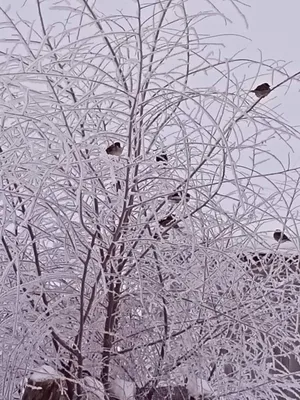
[(162, 158), (280, 236), (261, 90), (114, 149), (178, 196), (118, 185), (168, 221)]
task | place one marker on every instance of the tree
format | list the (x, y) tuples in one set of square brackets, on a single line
[(93, 281)]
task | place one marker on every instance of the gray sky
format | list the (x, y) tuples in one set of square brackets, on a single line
[(273, 29), (272, 33)]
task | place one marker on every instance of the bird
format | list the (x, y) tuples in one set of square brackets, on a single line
[(114, 149), (162, 158), (163, 235), (168, 221), (280, 236), (261, 90), (118, 185), (176, 197)]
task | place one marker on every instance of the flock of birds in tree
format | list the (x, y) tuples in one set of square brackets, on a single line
[(262, 91), (170, 221)]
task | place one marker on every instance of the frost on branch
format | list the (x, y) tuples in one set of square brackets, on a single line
[(138, 176), (44, 383), (123, 390), (93, 389)]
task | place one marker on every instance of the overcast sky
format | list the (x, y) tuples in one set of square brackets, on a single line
[(273, 28), (272, 33)]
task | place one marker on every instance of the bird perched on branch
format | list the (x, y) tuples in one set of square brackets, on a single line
[(162, 158), (261, 90), (168, 221), (118, 186), (280, 236), (163, 235), (114, 149), (176, 197)]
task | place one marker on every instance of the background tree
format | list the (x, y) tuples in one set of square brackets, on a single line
[(91, 278)]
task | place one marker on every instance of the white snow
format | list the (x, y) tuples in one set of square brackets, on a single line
[(198, 387), (94, 388), (44, 373), (122, 389)]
